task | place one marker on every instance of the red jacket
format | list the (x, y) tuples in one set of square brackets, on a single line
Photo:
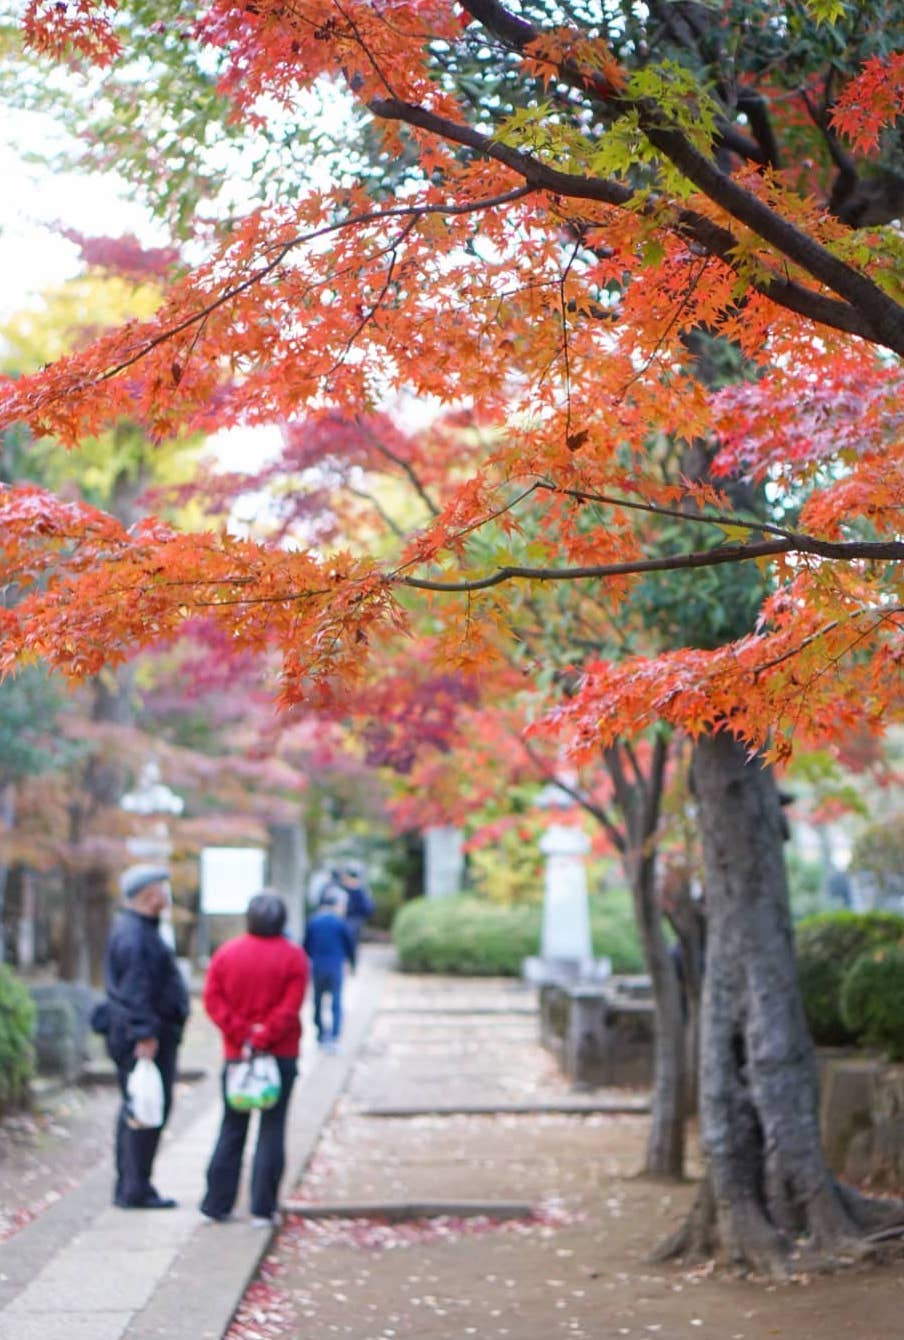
[(253, 992)]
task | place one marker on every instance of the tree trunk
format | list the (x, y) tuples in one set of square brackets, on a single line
[(7, 820), (767, 1181), (666, 1140), (638, 796)]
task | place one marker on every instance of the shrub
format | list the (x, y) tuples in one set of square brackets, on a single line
[(872, 999), (465, 935), (614, 931), (879, 855), (827, 945), (17, 1017), (473, 937)]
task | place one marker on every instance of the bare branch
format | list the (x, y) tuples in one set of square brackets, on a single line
[(706, 558), (598, 812), (380, 510), (406, 468)]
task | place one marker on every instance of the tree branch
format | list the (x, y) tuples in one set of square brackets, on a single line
[(891, 550), (601, 815), (881, 314), (380, 510), (691, 226), (406, 468), (264, 271), (880, 615)]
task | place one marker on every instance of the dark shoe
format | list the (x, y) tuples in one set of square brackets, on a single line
[(153, 1201)]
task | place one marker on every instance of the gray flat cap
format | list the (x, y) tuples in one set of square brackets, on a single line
[(138, 877)]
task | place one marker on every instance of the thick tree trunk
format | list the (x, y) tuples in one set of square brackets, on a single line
[(768, 1186)]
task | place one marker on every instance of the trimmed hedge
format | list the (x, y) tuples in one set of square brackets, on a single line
[(872, 1000), (827, 946), (473, 937), (17, 1019)]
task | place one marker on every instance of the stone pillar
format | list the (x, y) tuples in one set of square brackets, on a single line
[(566, 913), (287, 872), (444, 862), (25, 930)]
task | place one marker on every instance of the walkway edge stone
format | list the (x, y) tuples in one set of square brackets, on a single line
[(395, 1212), (613, 1107)]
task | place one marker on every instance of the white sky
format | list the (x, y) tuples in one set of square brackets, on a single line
[(35, 258), (32, 256)]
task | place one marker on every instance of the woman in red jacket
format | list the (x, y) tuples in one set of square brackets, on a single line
[(253, 992)]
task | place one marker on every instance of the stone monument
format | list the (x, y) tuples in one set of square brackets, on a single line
[(444, 861), (566, 949)]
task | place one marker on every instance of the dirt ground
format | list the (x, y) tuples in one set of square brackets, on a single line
[(578, 1268), (45, 1152)]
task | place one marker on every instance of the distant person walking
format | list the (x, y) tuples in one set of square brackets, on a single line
[(147, 1006), (253, 992), (329, 943), (359, 903)]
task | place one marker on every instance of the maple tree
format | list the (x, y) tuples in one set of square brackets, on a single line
[(69, 759), (462, 748), (564, 207)]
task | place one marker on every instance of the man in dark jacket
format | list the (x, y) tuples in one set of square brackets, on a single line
[(355, 898), (148, 1006), (328, 943)]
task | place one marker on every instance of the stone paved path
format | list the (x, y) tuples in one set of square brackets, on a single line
[(84, 1270)]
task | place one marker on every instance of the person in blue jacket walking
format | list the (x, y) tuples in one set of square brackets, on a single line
[(329, 944)]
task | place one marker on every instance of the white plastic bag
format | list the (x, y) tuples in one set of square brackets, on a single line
[(144, 1091), (253, 1083)]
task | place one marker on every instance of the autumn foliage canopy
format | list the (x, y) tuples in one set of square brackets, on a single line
[(547, 221)]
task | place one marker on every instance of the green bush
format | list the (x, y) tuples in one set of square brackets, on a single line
[(474, 937), (879, 853), (614, 931), (872, 999), (827, 945), (17, 1018)]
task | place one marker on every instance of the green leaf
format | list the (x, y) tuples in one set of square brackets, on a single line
[(736, 534), (827, 11)]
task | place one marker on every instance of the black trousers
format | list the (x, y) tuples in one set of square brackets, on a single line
[(136, 1149), (268, 1165)]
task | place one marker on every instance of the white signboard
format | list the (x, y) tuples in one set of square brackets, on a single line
[(230, 877)]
